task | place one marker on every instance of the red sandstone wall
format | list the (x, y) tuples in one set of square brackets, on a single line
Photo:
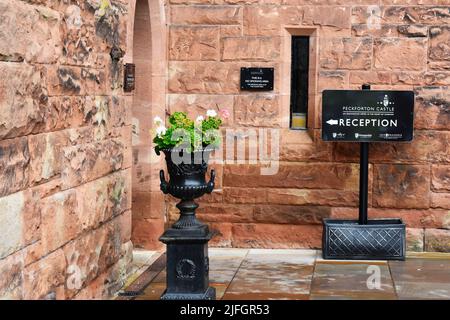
[(65, 150), (209, 40)]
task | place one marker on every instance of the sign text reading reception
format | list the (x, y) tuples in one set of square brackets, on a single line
[(367, 115)]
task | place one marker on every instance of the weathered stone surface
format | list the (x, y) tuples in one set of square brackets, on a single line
[(300, 146), (440, 178), (22, 100), (332, 80), (194, 43), (11, 280), (30, 33), (261, 21), (439, 43), (204, 77), (19, 222), (65, 80), (276, 236), (413, 30), (420, 14), (332, 16), (297, 175), (148, 205), (400, 54), (43, 278), (257, 110), (432, 110), (437, 240), (91, 254), (440, 200), (14, 165), (370, 77), (380, 31), (142, 228), (251, 48), (198, 104), (244, 195), (313, 197), (346, 53), (206, 15), (289, 214), (401, 186), (90, 161), (414, 239), (421, 78)]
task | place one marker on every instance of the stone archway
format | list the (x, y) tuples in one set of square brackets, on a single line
[(146, 45)]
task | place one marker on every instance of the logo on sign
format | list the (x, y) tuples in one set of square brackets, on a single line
[(386, 101)]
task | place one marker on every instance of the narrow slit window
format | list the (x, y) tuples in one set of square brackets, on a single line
[(299, 81)]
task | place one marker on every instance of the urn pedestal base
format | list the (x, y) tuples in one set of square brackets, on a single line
[(187, 264)]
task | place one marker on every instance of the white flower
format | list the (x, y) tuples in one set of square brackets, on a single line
[(211, 113), (158, 121), (199, 119), (160, 130)]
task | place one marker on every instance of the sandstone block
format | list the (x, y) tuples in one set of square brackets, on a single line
[(297, 175), (146, 232), (331, 16), (204, 77), (86, 162), (439, 43), (257, 110), (346, 53), (400, 54), (312, 197), (251, 48), (216, 15), (401, 186), (14, 165), (440, 200), (432, 110), (261, 21), (30, 33), (43, 278), (23, 100), (194, 43), (437, 240), (223, 238), (11, 281), (276, 236), (332, 80), (440, 177), (414, 239), (91, 255), (371, 77), (290, 214), (19, 222)]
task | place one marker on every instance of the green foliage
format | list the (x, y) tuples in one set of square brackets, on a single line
[(185, 133)]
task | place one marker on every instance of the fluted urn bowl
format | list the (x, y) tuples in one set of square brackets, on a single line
[(187, 171)]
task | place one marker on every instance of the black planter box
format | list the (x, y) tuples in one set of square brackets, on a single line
[(382, 239)]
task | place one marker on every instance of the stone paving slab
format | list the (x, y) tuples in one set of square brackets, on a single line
[(349, 280), (420, 278), (295, 274)]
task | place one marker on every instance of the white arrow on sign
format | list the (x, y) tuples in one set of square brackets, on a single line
[(332, 122)]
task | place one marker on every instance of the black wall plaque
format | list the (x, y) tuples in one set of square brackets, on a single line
[(365, 116), (257, 79), (129, 77)]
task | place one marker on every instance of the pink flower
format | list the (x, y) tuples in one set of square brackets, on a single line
[(225, 113)]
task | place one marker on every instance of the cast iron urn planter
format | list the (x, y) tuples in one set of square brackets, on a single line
[(187, 239)]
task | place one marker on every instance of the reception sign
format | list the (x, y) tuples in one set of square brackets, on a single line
[(367, 115)]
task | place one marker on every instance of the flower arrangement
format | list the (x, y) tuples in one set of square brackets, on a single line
[(188, 134)]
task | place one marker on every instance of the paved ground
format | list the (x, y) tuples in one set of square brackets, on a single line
[(303, 274)]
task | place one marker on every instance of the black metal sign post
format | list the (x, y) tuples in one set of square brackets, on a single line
[(366, 116)]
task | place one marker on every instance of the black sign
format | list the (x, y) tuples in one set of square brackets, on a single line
[(364, 116), (257, 79), (129, 77)]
